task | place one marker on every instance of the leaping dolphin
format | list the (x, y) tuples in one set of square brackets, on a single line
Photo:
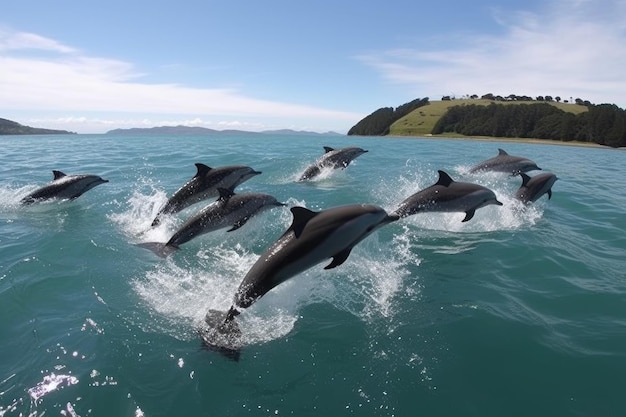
[(204, 185), (506, 163), (229, 210), (64, 187), (447, 195), (333, 158), (534, 187), (312, 238)]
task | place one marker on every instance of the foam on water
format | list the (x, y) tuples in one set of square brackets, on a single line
[(139, 212), (181, 289)]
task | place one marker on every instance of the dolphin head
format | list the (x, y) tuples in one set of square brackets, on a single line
[(354, 152), (490, 198), (525, 165), (86, 183), (245, 173)]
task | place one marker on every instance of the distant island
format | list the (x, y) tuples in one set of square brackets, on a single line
[(196, 130), (9, 127), (500, 117)]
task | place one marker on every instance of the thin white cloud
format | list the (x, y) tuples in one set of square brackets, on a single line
[(65, 80), (10, 40), (572, 47)]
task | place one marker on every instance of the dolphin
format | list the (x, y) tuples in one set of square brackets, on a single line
[(64, 187), (204, 185), (534, 187), (229, 210), (312, 238), (447, 195), (333, 158), (506, 163)]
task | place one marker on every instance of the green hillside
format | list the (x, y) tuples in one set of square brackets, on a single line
[(9, 127), (420, 122)]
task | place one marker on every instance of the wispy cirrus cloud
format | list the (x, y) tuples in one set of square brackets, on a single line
[(12, 41), (572, 47)]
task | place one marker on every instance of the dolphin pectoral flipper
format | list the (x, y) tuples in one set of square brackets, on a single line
[(339, 258), (469, 214), (549, 194)]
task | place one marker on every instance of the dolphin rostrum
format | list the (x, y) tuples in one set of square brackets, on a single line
[(204, 185), (333, 158), (64, 187), (534, 187), (229, 210), (312, 238), (447, 195), (506, 163)]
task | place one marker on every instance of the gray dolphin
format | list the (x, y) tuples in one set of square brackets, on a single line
[(312, 238), (333, 158), (506, 163), (204, 185), (229, 210), (447, 195), (534, 187), (64, 187)]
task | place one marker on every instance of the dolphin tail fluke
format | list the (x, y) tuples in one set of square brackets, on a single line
[(161, 249), (222, 333)]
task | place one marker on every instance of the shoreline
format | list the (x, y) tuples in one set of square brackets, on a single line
[(534, 141)]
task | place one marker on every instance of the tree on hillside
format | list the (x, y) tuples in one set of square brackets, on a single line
[(604, 124), (379, 122)]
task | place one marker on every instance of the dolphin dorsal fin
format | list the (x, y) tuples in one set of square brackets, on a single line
[(444, 179), (502, 152), (525, 178), (58, 174), (301, 217), (202, 169), (225, 193), (328, 149)]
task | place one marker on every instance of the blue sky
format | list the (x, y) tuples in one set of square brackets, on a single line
[(94, 66)]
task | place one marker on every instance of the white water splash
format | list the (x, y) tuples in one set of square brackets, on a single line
[(50, 384)]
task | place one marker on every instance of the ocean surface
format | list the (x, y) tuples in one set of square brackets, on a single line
[(518, 312)]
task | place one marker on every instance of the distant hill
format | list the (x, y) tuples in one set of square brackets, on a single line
[(9, 127), (510, 117), (196, 130)]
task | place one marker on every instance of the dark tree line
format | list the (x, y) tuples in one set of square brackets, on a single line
[(604, 123), (379, 122)]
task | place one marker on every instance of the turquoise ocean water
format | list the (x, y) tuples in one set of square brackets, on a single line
[(518, 312)]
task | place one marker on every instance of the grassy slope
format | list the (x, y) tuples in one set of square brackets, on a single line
[(420, 122)]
